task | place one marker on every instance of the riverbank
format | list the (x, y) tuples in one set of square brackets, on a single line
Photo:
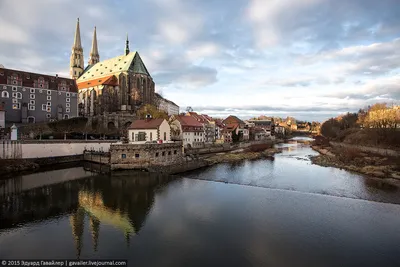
[(10, 166), (354, 160), (240, 156)]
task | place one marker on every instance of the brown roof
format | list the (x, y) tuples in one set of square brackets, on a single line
[(108, 80), (233, 119), (29, 79), (188, 121), (146, 124)]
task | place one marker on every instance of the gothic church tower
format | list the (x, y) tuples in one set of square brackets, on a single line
[(76, 66), (94, 53)]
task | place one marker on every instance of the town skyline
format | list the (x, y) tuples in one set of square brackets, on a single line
[(225, 62)]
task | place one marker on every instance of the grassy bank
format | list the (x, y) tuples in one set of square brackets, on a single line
[(239, 156), (357, 161)]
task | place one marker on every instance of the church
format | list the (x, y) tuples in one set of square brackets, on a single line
[(110, 90)]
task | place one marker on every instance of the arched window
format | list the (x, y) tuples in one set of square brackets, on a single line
[(5, 94), (66, 117), (31, 119)]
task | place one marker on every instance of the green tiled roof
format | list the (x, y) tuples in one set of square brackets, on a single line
[(130, 62)]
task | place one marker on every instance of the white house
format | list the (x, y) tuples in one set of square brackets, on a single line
[(142, 131), (189, 130), (166, 105)]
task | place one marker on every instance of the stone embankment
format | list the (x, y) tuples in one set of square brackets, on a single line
[(9, 166), (358, 161)]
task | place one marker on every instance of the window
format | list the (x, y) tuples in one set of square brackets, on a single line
[(48, 92), (32, 96), (48, 98), (14, 88), (31, 107), (157, 154), (163, 153), (67, 110), (16, 106), (32, 102), (68, 94), (17, 95), (123, 156), (165, 136), (174, 151), (31, 119), (68, 105), (169, 153), (14, 82), (44, 107), (5, 94), (67, 100), (136, 155), (66, 117), (48, 109), (141, 136), (151, 136), (49, 104), (32, 91), (15, 100), (48, 116)]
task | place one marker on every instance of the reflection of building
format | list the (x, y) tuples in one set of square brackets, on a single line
[(77, 220)]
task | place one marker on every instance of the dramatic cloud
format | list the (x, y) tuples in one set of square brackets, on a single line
[(307, 58)]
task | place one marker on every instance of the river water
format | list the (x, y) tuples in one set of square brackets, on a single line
[(281, 212)]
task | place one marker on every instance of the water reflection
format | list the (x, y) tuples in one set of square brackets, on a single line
[(120, 201)]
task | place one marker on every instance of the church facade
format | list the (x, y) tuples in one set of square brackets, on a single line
[(113, 89)]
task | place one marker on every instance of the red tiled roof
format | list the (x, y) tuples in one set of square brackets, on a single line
[(28, 79), (188, 121), (108, 80), (146, 124)]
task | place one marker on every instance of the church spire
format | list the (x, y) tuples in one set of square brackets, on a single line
[(127, 45), (76, 65), (94, 53)]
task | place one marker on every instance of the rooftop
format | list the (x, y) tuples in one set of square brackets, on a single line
[(146, 124)]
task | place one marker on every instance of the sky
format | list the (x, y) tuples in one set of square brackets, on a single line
[(310, 59)]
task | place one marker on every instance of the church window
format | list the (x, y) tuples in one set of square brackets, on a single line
[(67, 110), (67, 100), (5, 94), (17, 95), (31, 107), (32, 91), (48, 92), (67, 105), (32, 102), (67, 94), (48, 98), (66, 117), (32, 96), (49, 104)]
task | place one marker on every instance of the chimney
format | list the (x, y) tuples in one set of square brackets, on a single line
[(148, 117)]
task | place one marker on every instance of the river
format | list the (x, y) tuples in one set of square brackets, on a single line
[(281, 212)]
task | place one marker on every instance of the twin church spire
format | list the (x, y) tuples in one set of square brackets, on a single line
[(77, 60)]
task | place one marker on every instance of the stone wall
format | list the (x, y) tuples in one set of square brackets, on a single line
[(33, 149), (374, 150), (217, 148), (141, 156), (97, 157)]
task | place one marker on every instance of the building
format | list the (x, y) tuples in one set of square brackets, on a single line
[(208, 126), (142, 131), (166, 105), (32, 97), (113, 89), (258, 134), (187, 129), (219, 127), (2, 117), (238, 128), (267, 125)]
